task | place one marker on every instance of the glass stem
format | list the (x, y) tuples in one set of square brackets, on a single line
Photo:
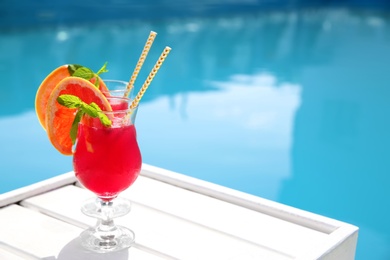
[(105, 224), (106, 210)]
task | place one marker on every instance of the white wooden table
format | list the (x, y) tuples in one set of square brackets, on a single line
[(174, 217)]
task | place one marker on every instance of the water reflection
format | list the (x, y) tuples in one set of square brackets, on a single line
[(341, 132), (289, 106), (239, 133)]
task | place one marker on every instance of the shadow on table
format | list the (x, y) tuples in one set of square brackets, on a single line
[(73, 250)]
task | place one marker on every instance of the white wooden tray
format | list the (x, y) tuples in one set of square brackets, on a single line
[(174, 217)]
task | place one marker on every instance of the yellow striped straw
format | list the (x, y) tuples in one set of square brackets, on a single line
[(140, 62), (149, 79)]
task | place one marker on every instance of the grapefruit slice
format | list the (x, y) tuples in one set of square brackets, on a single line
[(59, 119), (45, 89), (47, 86)]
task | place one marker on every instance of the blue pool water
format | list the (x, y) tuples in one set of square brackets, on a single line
[(288, 105)]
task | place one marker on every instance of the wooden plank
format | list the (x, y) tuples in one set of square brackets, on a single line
[(36, 188), (253, 226), (163, 232), (33, 235), (342, 239), (12, 254), (271, 208)]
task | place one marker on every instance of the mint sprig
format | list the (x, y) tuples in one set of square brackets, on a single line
[(93, 110), (103, 69), (80, 71)]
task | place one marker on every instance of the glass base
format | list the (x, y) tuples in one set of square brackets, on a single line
[(106, 236), (109, 241), (120, 207)]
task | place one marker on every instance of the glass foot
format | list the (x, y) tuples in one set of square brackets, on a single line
[(93, 207), (107, 241)]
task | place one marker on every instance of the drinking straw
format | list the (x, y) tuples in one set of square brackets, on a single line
[(140, 62), (149, 79)]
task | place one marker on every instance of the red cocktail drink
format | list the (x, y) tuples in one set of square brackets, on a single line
[(107, 160)]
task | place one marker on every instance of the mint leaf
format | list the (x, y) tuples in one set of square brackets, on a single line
[(84, 72), (94, 105), (103, 69), (72, 68), (103, 117), (93, 110), (75, 126), (69, 101), (89, 110), (80, 71)]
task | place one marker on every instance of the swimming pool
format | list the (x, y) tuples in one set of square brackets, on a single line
[(288, 105)]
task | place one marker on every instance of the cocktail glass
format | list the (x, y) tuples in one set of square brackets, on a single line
[(106, 161), (117, 88)]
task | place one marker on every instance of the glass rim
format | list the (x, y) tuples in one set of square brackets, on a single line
[(121, 111), (114, 81), (125, 99), (115, 91)]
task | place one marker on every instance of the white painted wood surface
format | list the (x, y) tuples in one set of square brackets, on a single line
[(174, 217)]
